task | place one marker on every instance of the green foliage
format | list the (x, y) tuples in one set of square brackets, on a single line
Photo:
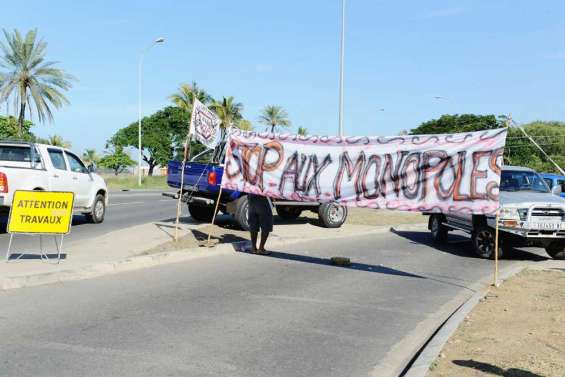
[(163, 135), (184, 97), (33, 84), (9, 129), (117, 160), (303, 131), (228, 111), (58, 141), (458, 123), (245, 125), (274, 116), (519, 150)]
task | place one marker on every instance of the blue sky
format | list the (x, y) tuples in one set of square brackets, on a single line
[(482, 56)]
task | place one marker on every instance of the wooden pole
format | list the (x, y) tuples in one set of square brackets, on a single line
[(495, 283), (214, 216), (186, 150)]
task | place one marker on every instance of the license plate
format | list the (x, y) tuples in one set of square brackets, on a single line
[(544, 226)]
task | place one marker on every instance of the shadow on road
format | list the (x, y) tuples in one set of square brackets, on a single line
[(461, 246), (494, 370), (29, 256)]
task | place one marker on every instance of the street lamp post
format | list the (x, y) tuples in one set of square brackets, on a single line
[(341, 62), (158, 40)]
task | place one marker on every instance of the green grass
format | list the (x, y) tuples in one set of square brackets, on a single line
[(122, 182)]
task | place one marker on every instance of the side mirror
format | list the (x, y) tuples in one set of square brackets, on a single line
[(91, 168), (556, 190)]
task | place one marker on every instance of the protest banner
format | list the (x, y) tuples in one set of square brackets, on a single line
[(204, 125), (427, 173)]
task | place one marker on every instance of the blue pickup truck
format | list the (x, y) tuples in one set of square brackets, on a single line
[(202, 178)]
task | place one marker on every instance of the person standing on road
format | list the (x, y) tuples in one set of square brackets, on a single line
[(260, 217)]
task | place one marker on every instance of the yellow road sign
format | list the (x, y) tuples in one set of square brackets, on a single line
[(41, 212)]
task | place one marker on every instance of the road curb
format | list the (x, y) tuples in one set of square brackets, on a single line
[(152, 260), (431, 350)]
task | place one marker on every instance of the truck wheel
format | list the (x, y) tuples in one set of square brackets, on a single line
[(242, 212), (96, 216), (201, 213), (289, 212), (439, 231), (483, 242), (556, 250), (332, 215)]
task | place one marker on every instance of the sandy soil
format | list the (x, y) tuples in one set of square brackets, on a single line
[(518, 330)]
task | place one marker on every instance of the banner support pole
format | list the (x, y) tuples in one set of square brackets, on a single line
[(214, 216), (495, 282), (186, 149)]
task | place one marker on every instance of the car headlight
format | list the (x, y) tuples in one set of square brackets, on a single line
[(509, 214)]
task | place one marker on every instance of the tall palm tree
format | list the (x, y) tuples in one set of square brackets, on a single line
[(274, 116), (303, 131), (184, 97), (245, 125), (30, 81), (228, 111), (58, 141)]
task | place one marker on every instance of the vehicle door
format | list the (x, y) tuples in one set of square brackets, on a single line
[(82, 181), (59, 176)]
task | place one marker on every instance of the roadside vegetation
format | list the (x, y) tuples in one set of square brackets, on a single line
[(129, 181)]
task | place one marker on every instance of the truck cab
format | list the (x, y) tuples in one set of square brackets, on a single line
[(530, 214)]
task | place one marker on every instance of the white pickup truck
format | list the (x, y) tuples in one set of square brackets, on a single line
[(30, 166)]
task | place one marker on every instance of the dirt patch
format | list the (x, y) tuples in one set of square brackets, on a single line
[(197, 237), (517, 330)]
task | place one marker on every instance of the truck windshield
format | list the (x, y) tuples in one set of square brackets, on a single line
[(522, 181)]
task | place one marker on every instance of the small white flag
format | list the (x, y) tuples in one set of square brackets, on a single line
[(204, 125)]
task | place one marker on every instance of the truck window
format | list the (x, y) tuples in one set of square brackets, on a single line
[(549, 182), (562, 183), (76, 164), (17, 153), (57, 159)]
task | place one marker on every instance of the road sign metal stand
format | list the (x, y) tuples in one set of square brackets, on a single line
[(42, 253)]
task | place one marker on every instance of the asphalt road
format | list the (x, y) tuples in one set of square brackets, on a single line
[(288, 314), (125, 209)]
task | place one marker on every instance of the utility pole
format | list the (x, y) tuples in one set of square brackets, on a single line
[(341, 63)]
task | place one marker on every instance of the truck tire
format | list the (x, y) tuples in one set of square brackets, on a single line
[(200, 212), (242, 213), (438, 230), (96, 215), (289, 212), (556, 249), (332, 215), (483, 242)]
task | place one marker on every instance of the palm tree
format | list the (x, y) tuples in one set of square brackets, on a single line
[(30, 81), (245, 125), (228, 111), (303, 131), (58, 141), (274, 116), (90, 156), (184, 97)]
